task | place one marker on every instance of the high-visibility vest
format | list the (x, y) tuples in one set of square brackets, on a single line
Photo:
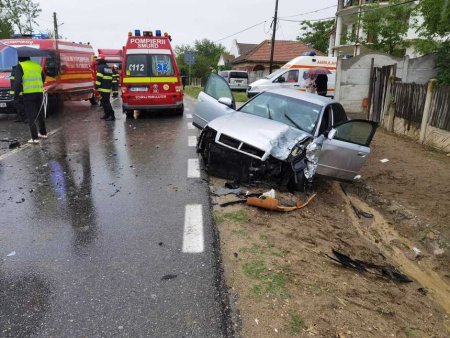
[(32, 78)]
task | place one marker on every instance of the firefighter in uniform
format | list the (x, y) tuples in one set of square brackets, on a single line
[(103, 85), (18, 103), (29, 79), (115, 82)]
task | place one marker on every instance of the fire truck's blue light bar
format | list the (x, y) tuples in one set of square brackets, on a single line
[(137, 32), (158, 32)]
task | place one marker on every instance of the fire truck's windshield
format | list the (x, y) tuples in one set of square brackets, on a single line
[(149, 65)]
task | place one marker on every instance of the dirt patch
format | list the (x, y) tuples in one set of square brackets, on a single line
[(284, 285), (412, 190)]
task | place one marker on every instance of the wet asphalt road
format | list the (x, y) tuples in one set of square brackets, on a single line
[(91, 231)]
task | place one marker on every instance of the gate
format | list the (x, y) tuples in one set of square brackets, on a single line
[(378, 85)]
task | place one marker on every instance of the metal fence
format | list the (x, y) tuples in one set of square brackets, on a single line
[(440, 107), (409, 100)]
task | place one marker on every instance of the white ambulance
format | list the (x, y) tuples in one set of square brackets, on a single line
[(299, 73)]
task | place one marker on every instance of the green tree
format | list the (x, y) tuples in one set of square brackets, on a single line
[(386, 26), (207, 54), (5, 25), (316, 34), (435, 31), (21, 14)]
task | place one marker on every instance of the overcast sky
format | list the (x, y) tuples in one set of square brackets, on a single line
[(105, 23)]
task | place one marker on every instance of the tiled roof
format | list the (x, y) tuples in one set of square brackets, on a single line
[(285, 50), (244, 48)]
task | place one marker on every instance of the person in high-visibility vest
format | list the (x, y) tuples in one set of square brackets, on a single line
[(29, 79), (115, 82), (103, 85), (18, 103)]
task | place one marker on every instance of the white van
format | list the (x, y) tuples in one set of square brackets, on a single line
[(237, 79), (297, 74)]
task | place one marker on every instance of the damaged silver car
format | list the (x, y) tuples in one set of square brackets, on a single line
[(282, 136)]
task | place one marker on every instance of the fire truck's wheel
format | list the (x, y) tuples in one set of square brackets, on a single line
[(179, 111), (55, 104), (93, 100), (129, 114)]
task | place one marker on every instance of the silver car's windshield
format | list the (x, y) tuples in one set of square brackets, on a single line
[(296, 113)]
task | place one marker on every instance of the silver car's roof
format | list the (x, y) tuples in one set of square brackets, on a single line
[(296, 94)]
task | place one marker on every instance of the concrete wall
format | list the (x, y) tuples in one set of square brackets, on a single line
[(353, 75), (419, 70), (434, 137)]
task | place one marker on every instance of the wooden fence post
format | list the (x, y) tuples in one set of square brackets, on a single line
[(427, 109), (389, 107)]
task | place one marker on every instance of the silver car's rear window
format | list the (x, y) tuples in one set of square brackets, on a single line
[(296, 113)]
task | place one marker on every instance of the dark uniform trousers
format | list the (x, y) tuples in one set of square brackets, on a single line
[(35, 112), (106, 104)]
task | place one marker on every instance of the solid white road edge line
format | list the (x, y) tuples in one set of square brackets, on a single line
[(193, 229), (190, 125), (25, 146), (188, 116), (193, 170), (192, 141)]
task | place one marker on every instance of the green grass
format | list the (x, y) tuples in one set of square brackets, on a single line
[(270, 282), (255, 269), (254, 249), (241, 232), (236, 216), (240, 96), (296, 323), (194, 91), (256, 291)]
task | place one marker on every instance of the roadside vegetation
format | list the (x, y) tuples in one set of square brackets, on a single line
[(192, 91)]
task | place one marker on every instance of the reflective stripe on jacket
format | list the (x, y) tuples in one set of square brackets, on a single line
[(32, 77), (104, 78)]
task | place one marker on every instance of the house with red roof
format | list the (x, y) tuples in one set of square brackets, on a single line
[(256, 60)]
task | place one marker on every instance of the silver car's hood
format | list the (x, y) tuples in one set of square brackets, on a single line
[(272, 137)]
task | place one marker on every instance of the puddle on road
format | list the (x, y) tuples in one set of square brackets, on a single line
[(379, 228)]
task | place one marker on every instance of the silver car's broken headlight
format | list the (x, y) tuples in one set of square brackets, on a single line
[(312, 157)]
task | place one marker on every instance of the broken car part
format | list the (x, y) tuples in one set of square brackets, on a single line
[(273, 204), (384, 271)]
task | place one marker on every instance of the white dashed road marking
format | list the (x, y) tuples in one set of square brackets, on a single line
[(190, 125), (187, 109), (193, 168), (188, 116), (193, 229), (192, 141)]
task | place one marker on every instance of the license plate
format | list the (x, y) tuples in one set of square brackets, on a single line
[(138, 89), (2, 105)]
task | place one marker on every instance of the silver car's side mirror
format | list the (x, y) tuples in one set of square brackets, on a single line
[(331, 134), (226, 101)]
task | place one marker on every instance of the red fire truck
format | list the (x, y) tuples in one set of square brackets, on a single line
[(68, 72), (150, 78), (112, 56)]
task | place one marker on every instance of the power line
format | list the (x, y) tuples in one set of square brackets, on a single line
[(301, 14), (356, 13), (246, 29)]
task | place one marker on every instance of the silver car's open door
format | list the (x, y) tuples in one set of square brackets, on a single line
[(346, 149), (214, 101)]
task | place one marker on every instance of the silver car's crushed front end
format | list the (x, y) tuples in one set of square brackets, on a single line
[(246, 165)]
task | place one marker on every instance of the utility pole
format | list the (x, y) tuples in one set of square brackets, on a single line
[(55, 25), (273, 36)]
